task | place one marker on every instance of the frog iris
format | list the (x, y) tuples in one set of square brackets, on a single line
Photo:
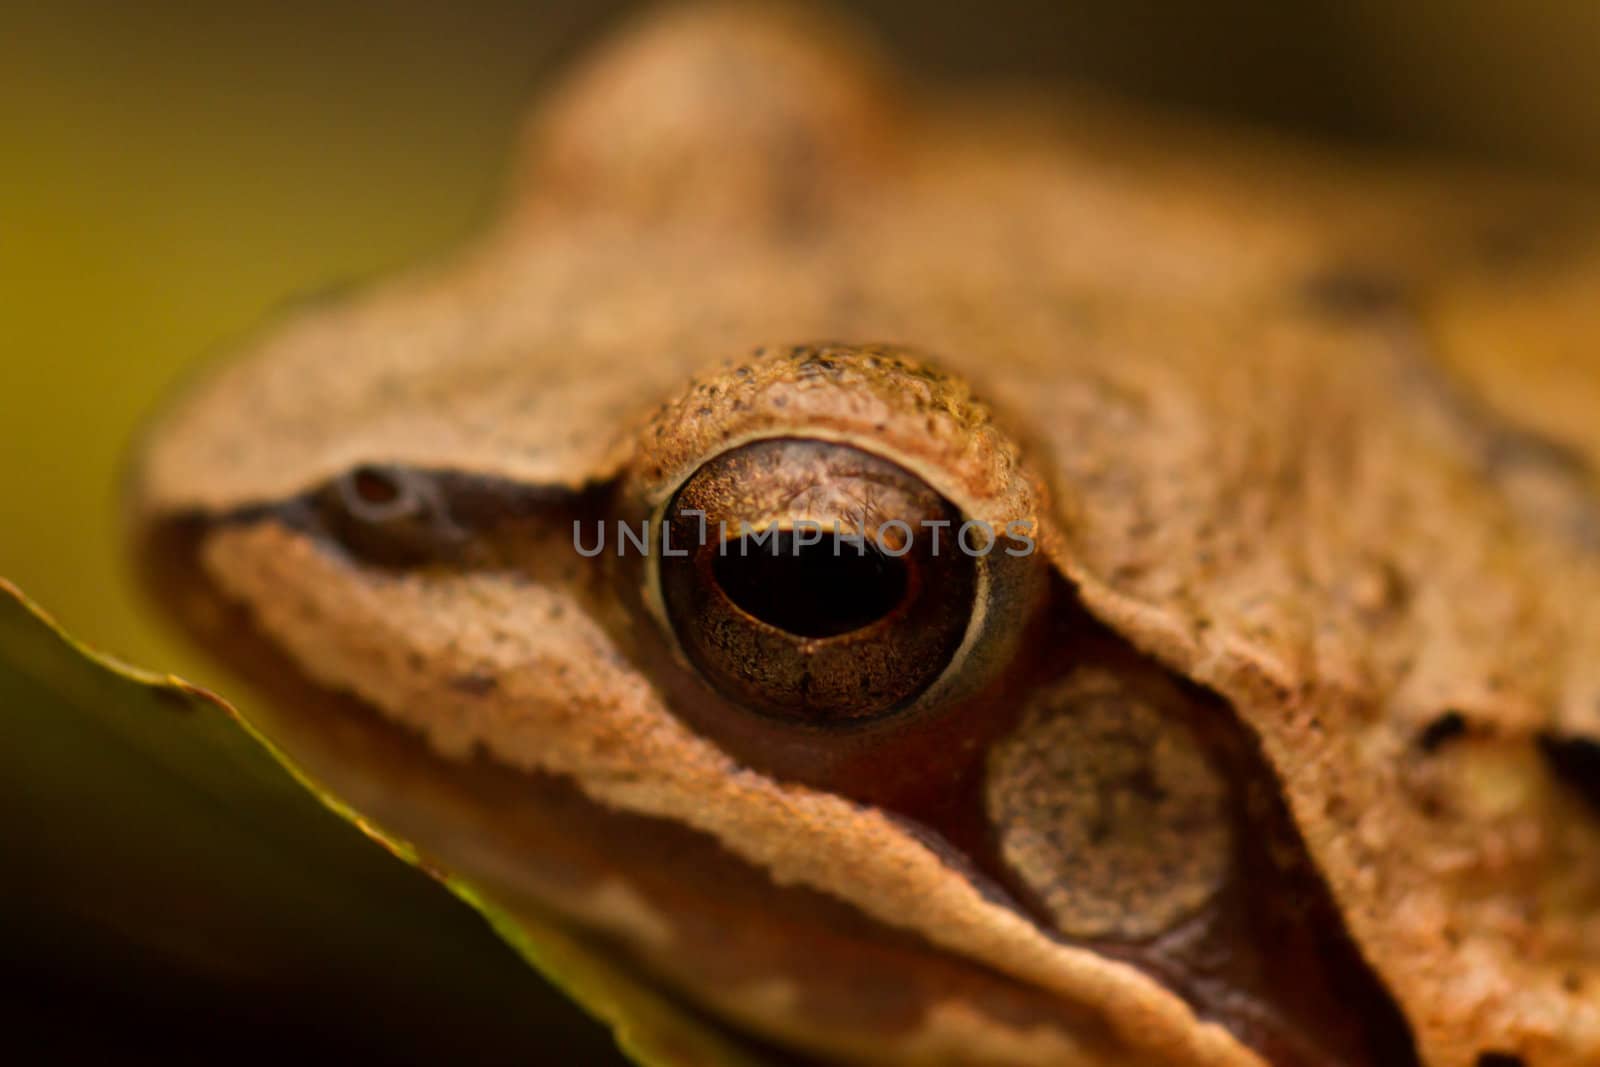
[(816, 582)]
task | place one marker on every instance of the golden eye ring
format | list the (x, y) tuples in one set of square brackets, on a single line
[(816, 582)]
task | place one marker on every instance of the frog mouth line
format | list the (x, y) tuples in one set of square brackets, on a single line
[(1173, 962)]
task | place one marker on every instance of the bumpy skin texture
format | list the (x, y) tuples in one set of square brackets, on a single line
[(1269, 412)]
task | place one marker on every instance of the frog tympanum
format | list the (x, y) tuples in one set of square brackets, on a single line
[(985, 580)]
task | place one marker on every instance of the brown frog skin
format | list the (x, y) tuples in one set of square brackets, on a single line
[(1281, 746)]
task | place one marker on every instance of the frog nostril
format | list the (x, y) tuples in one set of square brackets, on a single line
[(822, 588), (1446, 727), (1576, 761), (390, 516), (377, 494)]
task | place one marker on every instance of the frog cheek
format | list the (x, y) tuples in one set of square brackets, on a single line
[(547, 778)]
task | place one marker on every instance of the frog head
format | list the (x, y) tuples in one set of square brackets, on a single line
[(931, 581)]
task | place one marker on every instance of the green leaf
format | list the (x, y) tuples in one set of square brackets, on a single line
[(171, 876)]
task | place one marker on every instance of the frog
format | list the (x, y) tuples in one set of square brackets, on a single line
[(949, 576)]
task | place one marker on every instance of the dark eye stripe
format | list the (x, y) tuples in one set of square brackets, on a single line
[(395, 516)]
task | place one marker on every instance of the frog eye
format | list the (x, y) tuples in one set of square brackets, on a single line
[(815, 582)]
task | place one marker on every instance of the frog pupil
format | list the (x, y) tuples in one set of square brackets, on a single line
[(811, 589)]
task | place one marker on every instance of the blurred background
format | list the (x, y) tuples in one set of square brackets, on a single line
[(173, 172)]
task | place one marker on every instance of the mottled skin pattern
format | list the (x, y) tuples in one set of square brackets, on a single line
[(1313, 439), (1111, 812)]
